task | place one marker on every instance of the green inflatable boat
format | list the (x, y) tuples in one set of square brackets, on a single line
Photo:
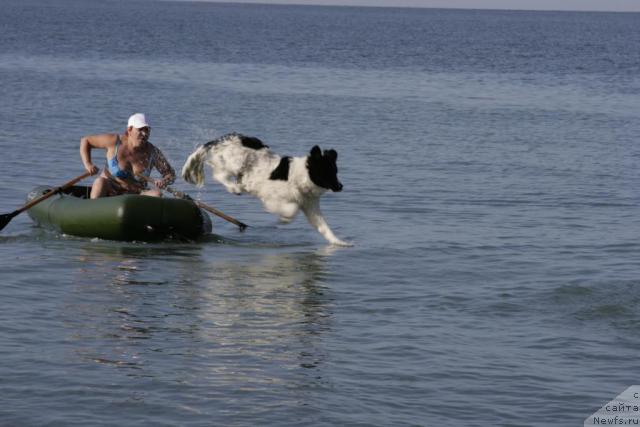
[(127, 217)]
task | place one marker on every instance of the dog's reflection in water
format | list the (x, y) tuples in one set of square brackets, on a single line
[(275, 306)]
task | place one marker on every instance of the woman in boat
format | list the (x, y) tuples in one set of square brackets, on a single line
[(128, 155)]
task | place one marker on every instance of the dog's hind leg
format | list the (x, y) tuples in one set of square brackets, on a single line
[(314, 215), (286, 211), (226, 179)]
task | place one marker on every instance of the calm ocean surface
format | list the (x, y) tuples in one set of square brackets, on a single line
[(490, 165)]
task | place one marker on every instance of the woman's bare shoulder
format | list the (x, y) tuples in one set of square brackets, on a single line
[(103, 140)]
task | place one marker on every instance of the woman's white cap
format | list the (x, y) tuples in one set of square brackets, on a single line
[(138, 120)]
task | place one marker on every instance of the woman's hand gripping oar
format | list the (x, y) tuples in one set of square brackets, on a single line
[(181, 195), (4, 219)]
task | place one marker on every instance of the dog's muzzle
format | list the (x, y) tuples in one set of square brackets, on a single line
[(337, 188)]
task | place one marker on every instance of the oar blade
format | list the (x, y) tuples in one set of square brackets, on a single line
[(5, 218)]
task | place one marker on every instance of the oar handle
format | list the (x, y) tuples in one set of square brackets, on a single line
[(181, 195), (52, 192)]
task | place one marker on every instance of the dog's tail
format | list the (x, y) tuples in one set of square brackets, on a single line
[(193, 169)]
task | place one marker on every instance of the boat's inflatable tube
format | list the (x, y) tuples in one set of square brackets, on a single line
[(127, 217)]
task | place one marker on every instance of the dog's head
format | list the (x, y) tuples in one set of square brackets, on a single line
[(323, 170)]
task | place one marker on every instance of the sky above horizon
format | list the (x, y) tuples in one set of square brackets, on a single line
[(595, 5)]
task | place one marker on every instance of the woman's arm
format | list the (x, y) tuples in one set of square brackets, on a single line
[(165, 169), (94, 141)]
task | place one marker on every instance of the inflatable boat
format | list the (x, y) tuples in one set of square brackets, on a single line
[(128, 217)]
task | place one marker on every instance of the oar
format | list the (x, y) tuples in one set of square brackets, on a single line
[(181, 195), (4, 219)]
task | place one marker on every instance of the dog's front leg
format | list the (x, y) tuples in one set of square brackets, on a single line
[(314, 215)]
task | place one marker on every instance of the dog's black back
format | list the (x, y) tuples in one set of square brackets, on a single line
[(247, 141), (252, 142)]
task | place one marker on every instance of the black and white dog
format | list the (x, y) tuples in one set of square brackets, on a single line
[(285, 185)]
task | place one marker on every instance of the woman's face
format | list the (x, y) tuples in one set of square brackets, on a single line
[(141, 134)]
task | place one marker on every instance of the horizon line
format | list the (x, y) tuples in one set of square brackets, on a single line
[(524, 9)]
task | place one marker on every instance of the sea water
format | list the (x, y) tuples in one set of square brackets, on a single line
[(490, 170)]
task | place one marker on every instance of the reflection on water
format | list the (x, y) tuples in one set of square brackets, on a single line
[(243, 317), (264, 305), (125, 301)]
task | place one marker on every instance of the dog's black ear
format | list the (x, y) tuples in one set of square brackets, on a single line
[(315, 151), (331, 154)]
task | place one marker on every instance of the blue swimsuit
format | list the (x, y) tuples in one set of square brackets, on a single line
[(114, 166)]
